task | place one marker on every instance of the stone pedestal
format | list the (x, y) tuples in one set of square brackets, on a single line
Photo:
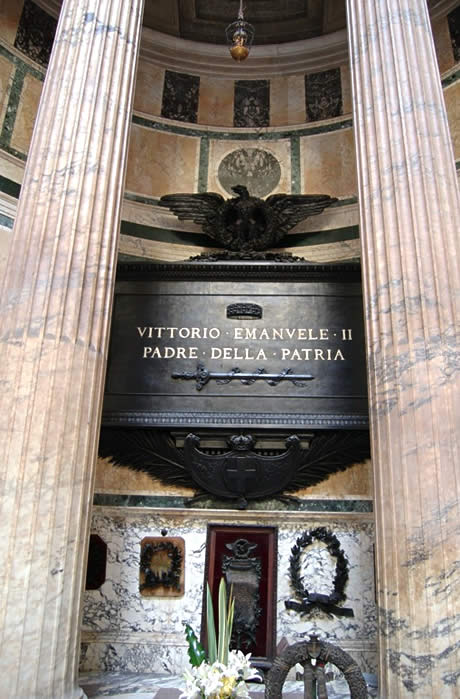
[(54, 332), (410, 214)]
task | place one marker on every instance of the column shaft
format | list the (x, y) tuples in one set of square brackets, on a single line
[(410, 212), (54, 327)]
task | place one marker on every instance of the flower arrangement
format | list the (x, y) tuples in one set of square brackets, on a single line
[(223, 673)]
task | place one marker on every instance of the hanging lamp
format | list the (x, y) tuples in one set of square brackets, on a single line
[(240, 35)]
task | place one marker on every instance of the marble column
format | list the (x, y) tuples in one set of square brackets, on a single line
[(54, 327), (410, 213)]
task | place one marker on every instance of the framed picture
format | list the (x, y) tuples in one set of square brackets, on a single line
[(246, 557), (161, 572)]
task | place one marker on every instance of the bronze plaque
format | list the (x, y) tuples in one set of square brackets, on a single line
[(237, 345), (162, 566)]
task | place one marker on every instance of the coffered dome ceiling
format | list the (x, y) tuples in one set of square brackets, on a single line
[(275, 21)]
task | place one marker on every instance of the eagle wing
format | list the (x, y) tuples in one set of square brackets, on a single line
[(328, 453), (204, 209), (287, 210), (148, 451)]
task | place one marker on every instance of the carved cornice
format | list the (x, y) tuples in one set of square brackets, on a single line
[(232, 420), (299, 271), (311, 55), (307, 56)]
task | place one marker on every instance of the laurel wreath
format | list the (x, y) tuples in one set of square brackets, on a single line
[(169, 579), (310, 600)]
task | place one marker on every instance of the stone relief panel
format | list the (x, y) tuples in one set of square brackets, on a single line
[(255, 168), (453, 19), (323, 95), (252, 103), (180, 97), (35, 34)]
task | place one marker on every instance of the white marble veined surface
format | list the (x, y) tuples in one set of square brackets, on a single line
[(124, 631)]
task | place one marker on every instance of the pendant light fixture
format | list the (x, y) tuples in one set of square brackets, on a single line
[(240, 35)]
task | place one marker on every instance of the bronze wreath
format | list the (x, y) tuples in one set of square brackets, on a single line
[(169, 579), (312, 600)]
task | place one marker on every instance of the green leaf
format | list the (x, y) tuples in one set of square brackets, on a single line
[(231, 613), (196, 652), (211, 628), (222, 651)]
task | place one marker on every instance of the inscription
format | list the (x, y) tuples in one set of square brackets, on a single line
[(314, 354), (301, 354)]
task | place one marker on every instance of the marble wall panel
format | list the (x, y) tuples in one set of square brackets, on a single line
[(149, 88), (216, 102), (6, 77), (124, 631), (347, 100), (443, 44), (323, 95), (342, 251), (180, 96), (12, 168), (35, 33), (287, 101), (25, 116), (251, 103), (452, 100), (10, 14), (353, 634), (328, 164), (220, 149), (143, 249), (160, 162)]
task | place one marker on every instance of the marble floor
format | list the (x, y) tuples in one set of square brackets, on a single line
[(130, 685)]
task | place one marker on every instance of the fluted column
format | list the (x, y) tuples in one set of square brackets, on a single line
[(410, 213), (55, 316)]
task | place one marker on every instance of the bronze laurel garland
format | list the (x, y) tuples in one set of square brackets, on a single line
[(312, 600), (169, 579)]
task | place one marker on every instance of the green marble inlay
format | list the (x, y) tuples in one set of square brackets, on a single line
[(344, 202), (334, 235), (170, 128), (21, 70), (176, 502), (137, 230), (111, 500), (243, 135), (140, 199), (204, 165), (451, 79), (295, 165), (17, 154), (153, 201), (6, 221), (124, 257), (12, 107), (39, 74), (10, 187)]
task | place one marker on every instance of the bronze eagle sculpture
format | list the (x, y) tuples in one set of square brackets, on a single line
[(245, 223)]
